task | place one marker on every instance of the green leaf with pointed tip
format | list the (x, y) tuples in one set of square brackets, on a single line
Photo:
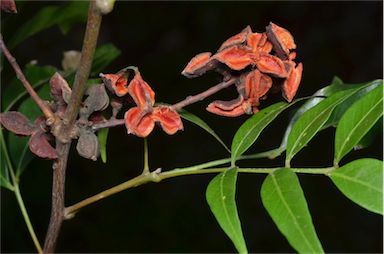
[(357, 121), (371, 135), (250, 130), (36, 75), (336, 86), (102, 136), (339, 111), (362, 182), (221, 199), (103, 57), (49, 16), (199, 122), (285, 202), (311, 122)]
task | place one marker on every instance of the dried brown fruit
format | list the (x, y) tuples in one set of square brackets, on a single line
[(199, 65), (281, 39), (88, 145), (292, 83), (8, 6), (168, 118), (59, 89), (97, 100), (141, 92), (236, 39), (235, 57), (270, 64), (137, 123), (40, 146), (16, 123)]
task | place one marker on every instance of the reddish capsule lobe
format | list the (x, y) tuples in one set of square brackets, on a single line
[(270, 64), (236, 39), (291, 84), (141, 92), (137, 124), (198, 65), (116, 83), (235, 57), (168, 118)]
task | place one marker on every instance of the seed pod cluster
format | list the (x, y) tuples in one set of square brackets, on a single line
[(253, 59)]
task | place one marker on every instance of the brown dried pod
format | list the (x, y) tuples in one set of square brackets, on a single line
[(199, 65), (97, 100), (59, 89), (281, 39), (17, 123), (8, 6), (291, 84), (270, 64), (88, 145), (257, 84), (236, 39), (235, 57), (40, 146)]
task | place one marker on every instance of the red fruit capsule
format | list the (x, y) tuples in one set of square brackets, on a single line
[(168, 118), (116, 83), (281, 39), (216, 109), (198, 65), (257, 84), (292, 83), (236, 39), (270, 64), (235, 57), (141, 92), (137, 123)]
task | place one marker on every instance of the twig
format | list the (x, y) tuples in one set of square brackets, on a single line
[(20, 75), (158, 176), (58, 186), (201, 96), (113, 122)]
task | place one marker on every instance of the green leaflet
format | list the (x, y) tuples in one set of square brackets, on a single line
[(250, 130), (312, 121), (362, 182), (102, 136), (285, 202), (221, 199), (357, 121)]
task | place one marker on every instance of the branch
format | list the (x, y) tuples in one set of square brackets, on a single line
[(58, 186), (201, 96), (113, 122), (20, 75), (157, 176)]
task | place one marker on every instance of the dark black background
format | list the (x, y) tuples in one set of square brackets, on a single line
[(333, 38)]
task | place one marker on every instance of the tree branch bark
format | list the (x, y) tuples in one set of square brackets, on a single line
[(63, 143)]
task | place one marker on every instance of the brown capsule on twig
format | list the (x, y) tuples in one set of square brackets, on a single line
[(40, 146), (8, 6), (17, 123), (88, 145)]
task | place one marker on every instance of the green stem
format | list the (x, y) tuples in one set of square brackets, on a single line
[(26, 219), (157, 176), (146, 164), (16, 190)]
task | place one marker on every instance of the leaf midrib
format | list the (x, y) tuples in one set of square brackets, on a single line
[(223, 204), (355, 127), (308, 125), (251, 129), (291, 213), (355, 180)]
